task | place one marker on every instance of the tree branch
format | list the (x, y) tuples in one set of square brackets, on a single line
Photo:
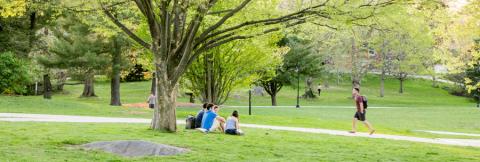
[(124, 28), (271, 21), (145, 6), (218, 12), (224, 18), (95, 9), (187, 43)]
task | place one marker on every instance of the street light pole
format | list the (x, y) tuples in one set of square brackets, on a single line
[(298, 86)]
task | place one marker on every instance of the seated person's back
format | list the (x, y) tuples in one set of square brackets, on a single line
[(208, 119), (233, 125), (199, 117)]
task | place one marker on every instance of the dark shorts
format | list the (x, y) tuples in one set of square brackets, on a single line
[(151, 106), (360, 116), (231, 131)]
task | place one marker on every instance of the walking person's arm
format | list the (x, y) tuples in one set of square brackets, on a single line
[(362, 110)]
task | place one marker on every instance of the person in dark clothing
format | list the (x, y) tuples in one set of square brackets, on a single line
[(319, 89), (199, 117)]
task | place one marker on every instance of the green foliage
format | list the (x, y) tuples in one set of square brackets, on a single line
[(232, 65), (19, 22), (12, 8), (14, 75), (302, 55), (76, 48), (135, 74)]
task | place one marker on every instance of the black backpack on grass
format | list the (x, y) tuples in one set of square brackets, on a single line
[(190, 122), (365, 102)]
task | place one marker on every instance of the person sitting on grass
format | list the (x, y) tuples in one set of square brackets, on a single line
[(211, 121), (199, 117), (207, 118), (233, 125), (219, 122)]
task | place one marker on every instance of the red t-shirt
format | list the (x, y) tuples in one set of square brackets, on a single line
[(358, 100)]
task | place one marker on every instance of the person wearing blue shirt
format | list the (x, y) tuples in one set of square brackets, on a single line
[(211, 120)]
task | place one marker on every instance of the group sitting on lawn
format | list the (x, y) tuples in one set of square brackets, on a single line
[(208, 120)]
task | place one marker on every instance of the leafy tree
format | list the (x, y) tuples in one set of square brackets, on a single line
[(19, 22), (177, 38), (303, 56), (119, 43), (214, 74), (12, 8), (136, 74), (471, 34), (301, 59), (14, 75), (79, 49)]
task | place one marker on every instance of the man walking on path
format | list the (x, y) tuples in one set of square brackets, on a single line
[(361, 112)]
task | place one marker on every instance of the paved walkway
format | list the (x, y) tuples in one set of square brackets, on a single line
[(17, 117), (449, 133), (328, 107)]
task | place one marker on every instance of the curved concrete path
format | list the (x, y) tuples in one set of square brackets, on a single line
[(18, 117)]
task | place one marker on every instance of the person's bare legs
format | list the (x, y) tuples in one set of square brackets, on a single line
[(222, 126), (369, 126), (221, 121), (354, 125)]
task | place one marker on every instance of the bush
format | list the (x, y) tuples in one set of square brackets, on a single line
[(137, 73), (14, 76), (456, 90)]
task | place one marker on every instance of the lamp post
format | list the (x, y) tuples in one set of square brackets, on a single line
[(297, 69)]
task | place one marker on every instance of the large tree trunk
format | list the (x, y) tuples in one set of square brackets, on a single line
[(88, 90), (164, 117), (115, 91), (115, 82), (382, 83), (154, 83), (209, 77)]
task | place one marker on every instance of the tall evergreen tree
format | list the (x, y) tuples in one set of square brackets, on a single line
[(77, 48)]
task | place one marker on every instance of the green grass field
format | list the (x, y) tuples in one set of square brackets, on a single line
[(421, 107), (56, 142)]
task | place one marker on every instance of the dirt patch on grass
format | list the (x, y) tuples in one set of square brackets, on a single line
[(145, 105)]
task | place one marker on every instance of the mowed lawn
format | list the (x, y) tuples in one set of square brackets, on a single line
[(28, 141), (421, 107)]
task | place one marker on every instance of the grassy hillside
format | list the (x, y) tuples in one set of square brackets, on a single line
[(417, 92), (421, 107)]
